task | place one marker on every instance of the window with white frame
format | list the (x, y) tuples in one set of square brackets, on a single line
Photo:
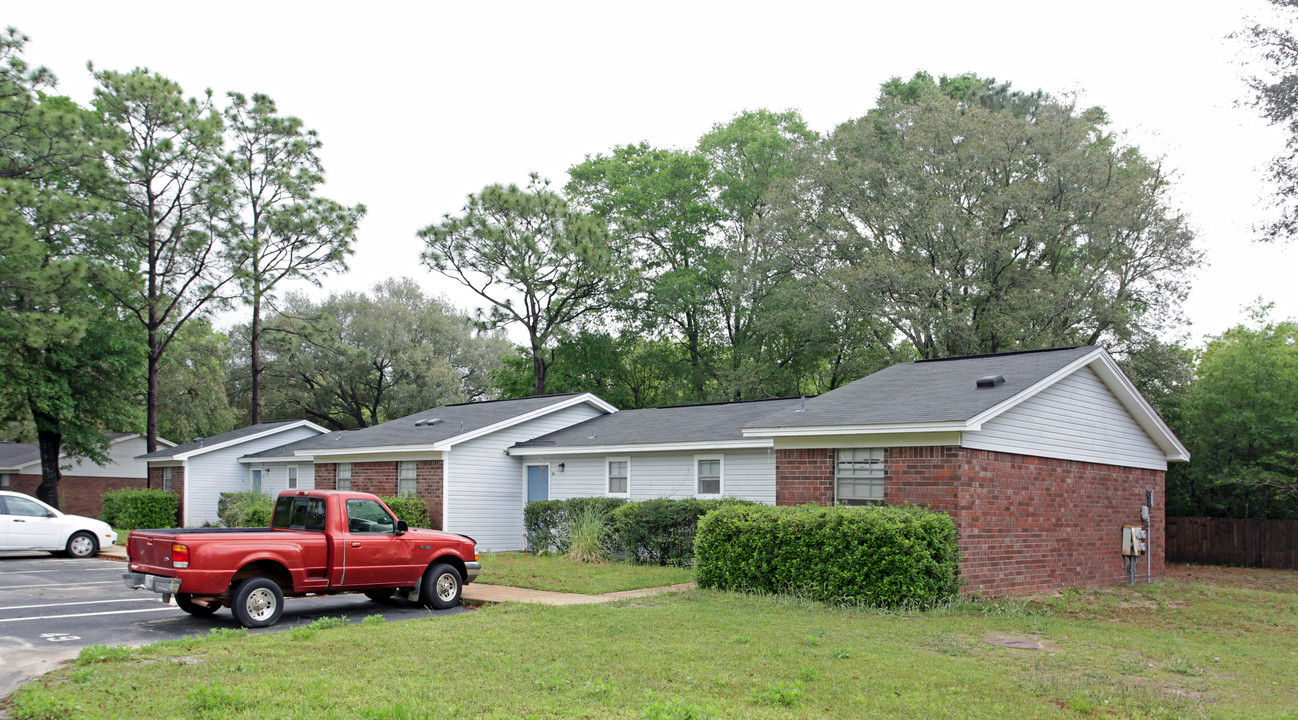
[(406, 477), (292, 477), (4, 481), (619, 476), (343, 479), (166, 479), (858, 476), (254, 481), (707, 475)]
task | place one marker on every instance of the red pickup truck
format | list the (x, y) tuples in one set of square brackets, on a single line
[(319, 542)]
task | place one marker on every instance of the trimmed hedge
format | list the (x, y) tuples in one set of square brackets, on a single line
[(140, 509), (245, 509), (661, 531), (879, 556), (412, 509), (545, 522)]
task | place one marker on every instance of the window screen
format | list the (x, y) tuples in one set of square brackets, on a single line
[(344, 478), (859, 476), (617, 476), (406, 484), (709, 474)]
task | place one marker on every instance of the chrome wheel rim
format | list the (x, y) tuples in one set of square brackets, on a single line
[(446, 586), (260, 604), (82, 546)]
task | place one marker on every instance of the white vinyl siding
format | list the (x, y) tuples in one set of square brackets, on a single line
[(484, 487), (212, 473), (1077, 418), (121, 462), (749, 474)]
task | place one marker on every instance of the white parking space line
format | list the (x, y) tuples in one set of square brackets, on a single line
[(84, 602), (64, 570), (77, 615), (50, 585)]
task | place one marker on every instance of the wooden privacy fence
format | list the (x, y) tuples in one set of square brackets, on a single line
[(1233, 541)]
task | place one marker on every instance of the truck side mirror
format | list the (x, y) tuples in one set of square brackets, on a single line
[(402, 527)]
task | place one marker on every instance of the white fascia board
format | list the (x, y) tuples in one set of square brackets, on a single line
[(589, 398), (543, 450), (953, 426), (427, 452), (247, 438), (255, 460), (132, 436)]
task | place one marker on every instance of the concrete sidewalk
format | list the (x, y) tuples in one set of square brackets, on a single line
[(480, 593)]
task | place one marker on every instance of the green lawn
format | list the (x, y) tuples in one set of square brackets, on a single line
[(1179, 649), (558, 574)]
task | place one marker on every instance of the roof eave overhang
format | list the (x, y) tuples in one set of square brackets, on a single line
[(878, 429), (542, 450), (247, 438)]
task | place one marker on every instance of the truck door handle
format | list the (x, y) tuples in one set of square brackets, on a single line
[(356, 544), (17, 520)]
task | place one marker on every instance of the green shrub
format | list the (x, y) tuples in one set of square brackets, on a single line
[(662, 531), (880, 556), (546, 522), (138, 509), (245, 509), (412, 509)]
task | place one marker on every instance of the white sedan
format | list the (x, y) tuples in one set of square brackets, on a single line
[(29, 524)]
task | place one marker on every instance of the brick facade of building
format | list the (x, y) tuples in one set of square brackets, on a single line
[(380, 478), (78, 494), (1025, 523)]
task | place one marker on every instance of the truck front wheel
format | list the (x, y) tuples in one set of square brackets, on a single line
[(258, 602), (441, 587)]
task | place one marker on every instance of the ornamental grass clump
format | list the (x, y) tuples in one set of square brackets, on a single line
[(588, 536)]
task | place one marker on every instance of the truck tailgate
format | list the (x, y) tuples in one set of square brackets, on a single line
[(150, 548)]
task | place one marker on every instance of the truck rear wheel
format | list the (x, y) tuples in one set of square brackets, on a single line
[(184, 602), (441, 587), (258, 602)]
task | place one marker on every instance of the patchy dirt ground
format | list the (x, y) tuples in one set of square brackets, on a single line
[(1256, 578)]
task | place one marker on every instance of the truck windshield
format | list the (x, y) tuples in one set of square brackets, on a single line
[(299, 513)]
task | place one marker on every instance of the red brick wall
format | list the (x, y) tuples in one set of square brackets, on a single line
[(1031, 524), (326, 476), (1026, 524), (78, 494), (380, 478), (804, 476), (177, 487)]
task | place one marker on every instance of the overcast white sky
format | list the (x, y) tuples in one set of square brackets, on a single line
[(419, 104)]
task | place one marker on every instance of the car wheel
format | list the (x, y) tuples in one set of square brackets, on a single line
[(258, 602), (82, 545), (380, 596), (185, 603), (441, 587)]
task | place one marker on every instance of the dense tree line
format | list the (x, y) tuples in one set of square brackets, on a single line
[(957, 216)]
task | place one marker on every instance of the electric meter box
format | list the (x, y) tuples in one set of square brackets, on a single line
[(1133, 540)]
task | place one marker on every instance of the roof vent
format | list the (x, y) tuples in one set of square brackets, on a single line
[(592, 434), (461, 426), (991, 381), (803, 408), (429, 422), (199, 441)]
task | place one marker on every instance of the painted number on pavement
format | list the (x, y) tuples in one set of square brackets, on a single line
[(60, 637)]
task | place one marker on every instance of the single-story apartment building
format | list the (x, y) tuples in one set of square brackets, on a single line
[(1041, 457), (83, 483)]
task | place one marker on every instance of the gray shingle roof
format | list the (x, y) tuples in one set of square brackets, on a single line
[(15, 454), (682, 423), (927, 391), (404, 431), (168, 453)]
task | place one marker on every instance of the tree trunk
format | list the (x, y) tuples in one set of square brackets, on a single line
[(255, 337), (151, 397), (49, 443), (539, 367)]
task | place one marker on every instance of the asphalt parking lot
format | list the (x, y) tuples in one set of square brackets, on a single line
[(51, 607)]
